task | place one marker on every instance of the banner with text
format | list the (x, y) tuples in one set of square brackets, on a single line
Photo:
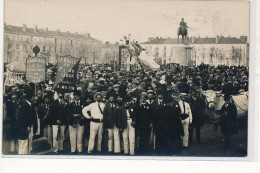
[(35, 69), (66, 74)]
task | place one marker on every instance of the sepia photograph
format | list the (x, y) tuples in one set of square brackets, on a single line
[(125, 78)]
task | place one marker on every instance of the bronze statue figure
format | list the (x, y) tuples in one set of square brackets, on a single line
[(182, 30)]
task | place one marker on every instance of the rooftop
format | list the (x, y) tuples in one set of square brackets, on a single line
[(194, 40), (47, 33)]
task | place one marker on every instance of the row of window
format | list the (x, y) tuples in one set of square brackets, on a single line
[(9, 37)]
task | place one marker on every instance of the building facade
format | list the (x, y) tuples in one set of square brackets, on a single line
[(19, 42), (221, 50)]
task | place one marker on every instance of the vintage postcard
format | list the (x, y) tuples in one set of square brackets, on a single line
[(125, 79)]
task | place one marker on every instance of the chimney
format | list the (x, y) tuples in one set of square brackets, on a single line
[(243, 38), (58, 31), (217, 39), (207, 37), (193, 39), (46, 29), (68, 32), (87, 35), (150, 39), (157, 38), (35, 28), (24, 28)]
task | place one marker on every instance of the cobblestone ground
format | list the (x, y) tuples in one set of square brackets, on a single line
[(210, 146)]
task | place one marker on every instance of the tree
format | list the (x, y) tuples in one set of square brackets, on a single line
[(212, 53), (236, 54), (220, 55), (194, 52)]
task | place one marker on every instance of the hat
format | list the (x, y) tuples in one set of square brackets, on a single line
[(112, 94), (150, 91), (226, 97), (116, 86), (98, 93), (183, 94), (77, 92)]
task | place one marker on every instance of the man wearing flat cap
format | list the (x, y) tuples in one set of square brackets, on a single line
[(94, 112)]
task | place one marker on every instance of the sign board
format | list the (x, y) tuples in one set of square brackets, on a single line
[(35, 69), (66, 74)]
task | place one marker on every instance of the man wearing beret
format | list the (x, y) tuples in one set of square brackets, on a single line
[(94, 112)]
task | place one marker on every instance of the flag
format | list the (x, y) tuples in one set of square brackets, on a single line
[(66, 73), (148, 61)]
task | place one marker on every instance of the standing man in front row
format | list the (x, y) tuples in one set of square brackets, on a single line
[(76, 124), (186, 119), (94, 112), (59, 121)]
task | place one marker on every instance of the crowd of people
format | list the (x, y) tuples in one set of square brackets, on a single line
[(118, 111)]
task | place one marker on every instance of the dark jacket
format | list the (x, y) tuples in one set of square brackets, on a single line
[(26, 117), (168, 129), (143, 118), (59, 112), (167, 121), (197, 108), (11, 109), (44, 113), (229, 121), (156, 109), (110, 116), (76, 109), (122, 117)]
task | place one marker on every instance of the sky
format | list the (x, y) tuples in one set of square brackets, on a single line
[(110, 20)]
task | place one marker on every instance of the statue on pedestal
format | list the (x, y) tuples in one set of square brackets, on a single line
[(182, 30)]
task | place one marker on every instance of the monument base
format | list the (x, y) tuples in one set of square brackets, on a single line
[(181, 54)]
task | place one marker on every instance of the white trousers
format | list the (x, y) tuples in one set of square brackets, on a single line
[(185, 138), (129, 138), (76, 135), (30, 140), (47, 132), (23, 146), (96, 129), (113, 134), (58, 140)]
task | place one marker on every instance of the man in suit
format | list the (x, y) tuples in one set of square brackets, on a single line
[(228, 120), (59, 121), (197, 106), (143, 121), (26, 122), (76, 123), (94, 112), (11, 112), (111, 123), (168, 127), (44, 111), (127, 123)]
